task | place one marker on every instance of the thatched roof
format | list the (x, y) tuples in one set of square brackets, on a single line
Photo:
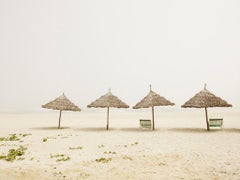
[(61, 103), (153, 99), (108, 100), (205, 99)]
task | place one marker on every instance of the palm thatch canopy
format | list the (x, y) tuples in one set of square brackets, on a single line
[(151, 100), (106, 101), (205, 99), (61, 103)]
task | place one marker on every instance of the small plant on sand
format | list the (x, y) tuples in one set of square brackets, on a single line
[(20, 158), (103, 160), (63, 159), (24, 135), (136, 143), (127, 158), (12, 137), (2, 156), (110, 152), (47, 138), (101, 146), (13, 153), (161, 164), (60, 157), (84, 175), (56, 155), (75, 148)]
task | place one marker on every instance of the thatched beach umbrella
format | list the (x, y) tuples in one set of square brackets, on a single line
[(152, 99), (205, 99), (107, 101), (61, 103)]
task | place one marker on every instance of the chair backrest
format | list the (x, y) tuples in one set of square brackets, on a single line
[(145, 123), (216, 122)]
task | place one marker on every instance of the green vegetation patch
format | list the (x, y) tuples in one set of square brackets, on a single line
[(101, 146), (24, 135), (60, 157), (56, 155), (47, 138), (14, 137), (136, 143), (14, 153), (75, 148), (103, 160), (127, 158), (110, 152), (11, 137), (63, 159)]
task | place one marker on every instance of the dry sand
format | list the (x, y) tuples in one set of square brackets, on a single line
[(180, 147)]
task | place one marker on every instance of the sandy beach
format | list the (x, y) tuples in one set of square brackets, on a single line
[(179, 148), (173, 61)]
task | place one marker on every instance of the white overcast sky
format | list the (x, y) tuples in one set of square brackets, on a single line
[(85, 47)]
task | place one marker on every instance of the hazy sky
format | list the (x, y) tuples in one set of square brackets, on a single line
[(84, 47)]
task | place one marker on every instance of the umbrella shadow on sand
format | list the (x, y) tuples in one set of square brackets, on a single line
[(190, 130), (200, 130), (135, 130), (50, 128), (96, 129), (232, 130)]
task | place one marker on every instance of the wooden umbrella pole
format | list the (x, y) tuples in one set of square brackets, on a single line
[(107, 118), (207, 119), (59, 121), (153, 117)]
